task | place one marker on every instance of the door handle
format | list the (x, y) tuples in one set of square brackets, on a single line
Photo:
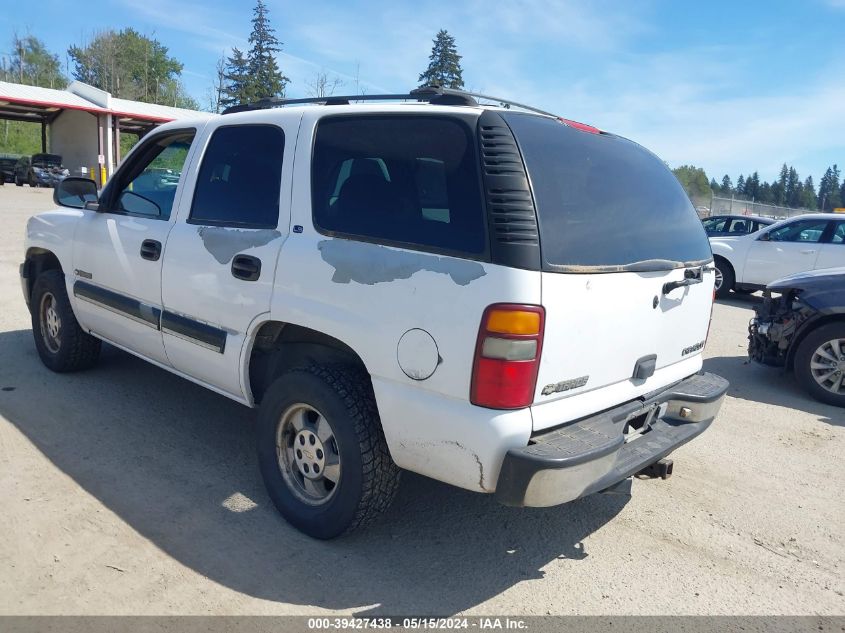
[(246, 267), (807, 252), (151, 250)]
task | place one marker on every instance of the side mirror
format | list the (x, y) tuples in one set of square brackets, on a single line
[(75, 193), (764, 237)]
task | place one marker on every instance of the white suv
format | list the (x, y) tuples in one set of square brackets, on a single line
[(747, 263), (505, 301)]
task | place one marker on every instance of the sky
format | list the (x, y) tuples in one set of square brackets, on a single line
[(729, 86)]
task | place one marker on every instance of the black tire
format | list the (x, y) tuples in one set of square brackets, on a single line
[(18, 182), (728, 279), (804, 355), (72, 349), (368, 479)]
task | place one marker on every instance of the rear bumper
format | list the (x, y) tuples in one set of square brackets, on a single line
[(592, 454)]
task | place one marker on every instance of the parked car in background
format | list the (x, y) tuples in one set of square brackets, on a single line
[(40, 170), (803, 329), (719, 225), (7, 168), (746, 263)]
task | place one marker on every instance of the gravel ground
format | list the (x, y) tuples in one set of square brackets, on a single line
[(127, 490)]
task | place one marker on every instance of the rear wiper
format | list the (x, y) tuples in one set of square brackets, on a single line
[(652, 265), (691, 276)]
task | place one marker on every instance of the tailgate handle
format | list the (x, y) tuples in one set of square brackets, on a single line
[(691, 276), (645, 367)]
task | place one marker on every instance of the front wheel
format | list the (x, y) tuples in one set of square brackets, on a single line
[(322, 452), (62, 345), (820, 364), (724, 279)]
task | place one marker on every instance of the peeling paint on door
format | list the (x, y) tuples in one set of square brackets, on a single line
[(224, 243)]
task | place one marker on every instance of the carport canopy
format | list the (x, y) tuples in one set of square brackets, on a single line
[(33, 104)]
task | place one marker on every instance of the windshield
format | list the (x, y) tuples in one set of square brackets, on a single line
[(46, 160), (604, 202)]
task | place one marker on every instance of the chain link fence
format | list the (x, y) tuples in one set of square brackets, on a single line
[(735, 206)]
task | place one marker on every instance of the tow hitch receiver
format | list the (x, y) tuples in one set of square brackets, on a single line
[(662, 469)]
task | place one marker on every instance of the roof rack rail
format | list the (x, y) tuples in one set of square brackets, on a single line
[(432, 94)]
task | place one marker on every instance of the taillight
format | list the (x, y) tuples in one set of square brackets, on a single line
[(507, 356)]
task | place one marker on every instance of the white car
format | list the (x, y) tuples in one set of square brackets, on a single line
[(505, 301), (750, 262)]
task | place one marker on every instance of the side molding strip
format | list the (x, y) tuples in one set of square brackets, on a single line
[(118, 303), (192, 331)]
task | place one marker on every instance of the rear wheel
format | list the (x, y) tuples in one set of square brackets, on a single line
[(62, 345), (820, 364), (322, 452), (724, 278), (18, 181)]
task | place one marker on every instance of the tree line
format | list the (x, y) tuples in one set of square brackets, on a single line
[(131, 65), (788, 190)]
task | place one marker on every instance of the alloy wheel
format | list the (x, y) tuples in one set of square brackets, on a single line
[(827, 366), (307, 454)]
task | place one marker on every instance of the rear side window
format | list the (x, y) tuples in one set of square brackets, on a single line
[(240, 178), (400, 179), (604, 202)]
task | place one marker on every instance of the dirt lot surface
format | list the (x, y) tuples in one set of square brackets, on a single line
[(127, 490)]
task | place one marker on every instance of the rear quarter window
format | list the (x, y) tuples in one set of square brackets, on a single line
[(399, 179), (604, 202)]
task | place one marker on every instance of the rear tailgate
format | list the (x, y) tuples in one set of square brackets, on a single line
[(599, 326), (615, 228)]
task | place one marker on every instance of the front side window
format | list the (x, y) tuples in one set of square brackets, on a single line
[(839, 233), (147, 185), (239, 182), (404, 179), (799, 231)]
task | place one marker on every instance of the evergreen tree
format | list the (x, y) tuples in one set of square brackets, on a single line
[(808, 194), (714, 186), (265, 78), (764, 195), (235, 80), (740, 186), (444, 64), (784, 175), (776, 193), (727, 185), (792, 192), (829, 195), (752, 186)]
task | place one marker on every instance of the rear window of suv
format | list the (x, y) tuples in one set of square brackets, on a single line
[(603, 202), (399, 179)]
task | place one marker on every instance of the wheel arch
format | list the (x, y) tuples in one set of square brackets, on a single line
[(808, 329), (37, 261), (277, 346)]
